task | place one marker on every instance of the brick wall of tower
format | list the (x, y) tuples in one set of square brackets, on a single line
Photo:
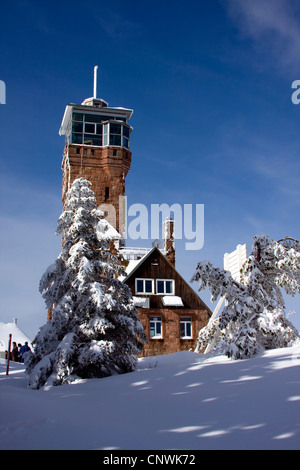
[(104, 167)]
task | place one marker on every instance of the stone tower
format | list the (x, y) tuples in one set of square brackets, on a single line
[(97, 148)]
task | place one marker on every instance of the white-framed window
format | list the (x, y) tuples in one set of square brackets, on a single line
[(155, 327), (116, 133), (165, 286), (185, 327), (89, 128), (144, 286)]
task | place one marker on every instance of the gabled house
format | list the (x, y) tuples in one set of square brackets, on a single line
[(169, 309)]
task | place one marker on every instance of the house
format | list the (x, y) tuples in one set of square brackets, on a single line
[(169, 309)]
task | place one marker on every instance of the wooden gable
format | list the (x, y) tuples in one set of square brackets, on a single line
[(155, 266)]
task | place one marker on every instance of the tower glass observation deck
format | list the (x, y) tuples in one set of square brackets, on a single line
[(94, 123)]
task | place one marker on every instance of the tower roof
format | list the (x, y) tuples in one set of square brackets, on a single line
[(93, 105)]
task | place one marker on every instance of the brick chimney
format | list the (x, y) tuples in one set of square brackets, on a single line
[(169, 241)]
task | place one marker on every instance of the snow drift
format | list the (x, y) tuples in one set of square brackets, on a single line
[(179, 401)]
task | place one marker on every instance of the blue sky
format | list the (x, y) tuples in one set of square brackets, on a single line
[(214, 124)]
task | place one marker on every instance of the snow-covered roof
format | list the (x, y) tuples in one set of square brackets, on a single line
[(17, 335), (141, 301), (107, 231), (172, 301), (133, 263)]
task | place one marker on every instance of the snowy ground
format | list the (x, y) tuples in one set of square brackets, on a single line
[(178, 401)]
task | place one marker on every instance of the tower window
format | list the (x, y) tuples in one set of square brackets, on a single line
[(77, 127), (78, 151), (92, 152), (115, 129), (90, 128), (115, 139), (77, 117), (114, 153), (76, 138), (106, 193), (90, 139)]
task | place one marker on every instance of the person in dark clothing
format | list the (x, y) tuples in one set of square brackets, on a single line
[(19, 351), (14, 352), (24, 350)]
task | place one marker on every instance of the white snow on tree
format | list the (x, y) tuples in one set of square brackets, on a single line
[(94, 330), (254, 317)]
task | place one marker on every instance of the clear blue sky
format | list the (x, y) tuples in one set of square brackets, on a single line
[(210, 85)]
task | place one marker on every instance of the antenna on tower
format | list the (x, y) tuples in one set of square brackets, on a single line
[(95, 81)]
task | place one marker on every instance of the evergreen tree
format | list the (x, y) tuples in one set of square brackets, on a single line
[(253, 318), (94, 330)]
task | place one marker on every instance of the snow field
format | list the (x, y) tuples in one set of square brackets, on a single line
[(179, 401)]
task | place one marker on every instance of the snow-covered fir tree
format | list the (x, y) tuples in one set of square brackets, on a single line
[(94, 330), (254, 317)]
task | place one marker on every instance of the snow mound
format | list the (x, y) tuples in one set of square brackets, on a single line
[(178, 401)]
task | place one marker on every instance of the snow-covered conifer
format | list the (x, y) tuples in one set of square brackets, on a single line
[(253, 318), (94, 330)]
